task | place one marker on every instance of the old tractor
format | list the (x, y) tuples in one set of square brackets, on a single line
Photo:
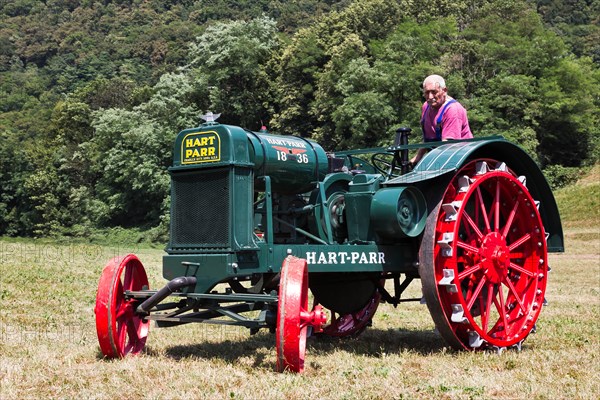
[(259, 221)]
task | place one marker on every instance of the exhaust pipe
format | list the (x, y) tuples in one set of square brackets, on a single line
[(172, 286)]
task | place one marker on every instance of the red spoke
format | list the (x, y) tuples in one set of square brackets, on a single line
[(477, 211), (482, 311), (128, 278), (121, 335), (128, 345), (483, 210), (472, 224), (519, 242), (468, 230), (497, 207), (469, 290), (521, 269), (489, 217), (132, 331), (476, 292), (488, 306), (469, 271), (517, 255), (463, 259), (510, 219), (468, 247), (511, 287), (123, 311), (500, 306)]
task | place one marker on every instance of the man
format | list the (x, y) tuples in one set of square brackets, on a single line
[(442, 117)]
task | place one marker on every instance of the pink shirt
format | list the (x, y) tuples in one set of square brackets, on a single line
[(455, 124)]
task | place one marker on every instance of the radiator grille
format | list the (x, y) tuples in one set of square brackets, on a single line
[(200, 209)]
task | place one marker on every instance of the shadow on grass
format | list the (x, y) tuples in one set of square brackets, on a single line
[(373, 342), (257, 346)]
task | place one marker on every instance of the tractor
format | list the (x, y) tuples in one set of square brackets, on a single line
[(262, 222)]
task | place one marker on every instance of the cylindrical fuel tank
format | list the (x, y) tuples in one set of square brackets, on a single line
[(295, 165)]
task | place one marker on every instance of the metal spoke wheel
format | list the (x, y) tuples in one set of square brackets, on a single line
[(483, 259), (120, 330), (293, 317)]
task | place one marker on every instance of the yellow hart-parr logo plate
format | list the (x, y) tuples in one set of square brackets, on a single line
[(201, 147)]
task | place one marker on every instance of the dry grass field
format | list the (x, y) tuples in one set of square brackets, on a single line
[(49, 349)]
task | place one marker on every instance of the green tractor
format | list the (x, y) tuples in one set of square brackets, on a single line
[(259, 220)]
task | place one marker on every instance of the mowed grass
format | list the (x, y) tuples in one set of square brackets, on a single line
[(49, 349)]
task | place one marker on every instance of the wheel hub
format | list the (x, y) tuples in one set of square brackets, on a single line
[(495, 257)]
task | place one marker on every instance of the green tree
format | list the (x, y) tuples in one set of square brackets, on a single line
[(523, 79), (577, 22), (315, 60), (14, 167), (42, 214), (130, 152), (231, 64), (126, 155), (410, 53), (568, 117), (90, 99), (296, 72)]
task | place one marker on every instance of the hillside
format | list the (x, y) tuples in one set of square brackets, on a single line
[(93, 92), (579, 204)]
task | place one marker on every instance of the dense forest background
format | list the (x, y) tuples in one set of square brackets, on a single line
[(92, 93)]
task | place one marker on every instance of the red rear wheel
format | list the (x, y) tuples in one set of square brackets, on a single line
[(484, 259), (120, 330), (293, 317)]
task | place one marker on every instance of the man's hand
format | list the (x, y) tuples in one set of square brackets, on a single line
[(415, 160)]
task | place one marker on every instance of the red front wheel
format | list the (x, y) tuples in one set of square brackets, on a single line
[(120, 330), (293, 317), (483, 261)]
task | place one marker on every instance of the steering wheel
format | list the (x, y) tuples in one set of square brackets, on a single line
[(378, 160)]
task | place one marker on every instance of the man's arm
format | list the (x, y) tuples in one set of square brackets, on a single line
[(420, 153)]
